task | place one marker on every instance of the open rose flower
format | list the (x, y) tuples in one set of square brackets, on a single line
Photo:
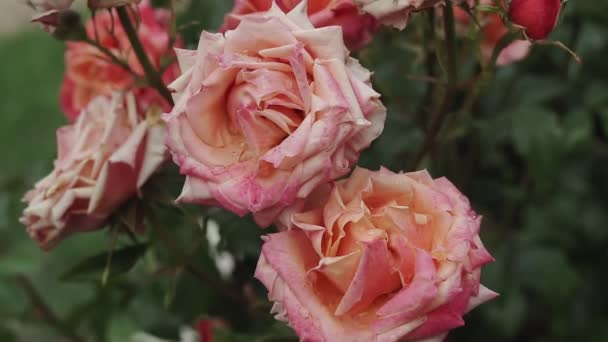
[(379, 256), (103, 159), (357, 27), (493, 30), (267, 112), (89, 73), (394, 13)]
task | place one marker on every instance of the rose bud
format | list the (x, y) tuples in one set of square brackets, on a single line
[(103, 159), (537, 17), (89, 73), (493, 30), (47, 12), (394, 13), (378, 256), (357, 27), (267, 112)]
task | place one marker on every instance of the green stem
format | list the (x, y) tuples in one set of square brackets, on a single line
[(450, 39), (429, 63), (179, 255), (154, 78), (113, 58), (46, 312), (441, 113)]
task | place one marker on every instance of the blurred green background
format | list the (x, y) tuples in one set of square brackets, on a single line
[(531, 152)]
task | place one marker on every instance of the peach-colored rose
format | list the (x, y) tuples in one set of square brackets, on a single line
[(394, 13), (89, 73), (267, 112), (379, 256), (357, 27), (103, 159), (493, 29)]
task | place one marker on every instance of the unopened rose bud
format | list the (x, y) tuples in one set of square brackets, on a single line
[(100, 4), (47, 12), (537, 17), (69, 26)]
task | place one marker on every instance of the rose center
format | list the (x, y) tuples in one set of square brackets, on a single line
[(264, 108)]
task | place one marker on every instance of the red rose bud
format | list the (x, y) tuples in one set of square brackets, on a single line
[(538, 17)]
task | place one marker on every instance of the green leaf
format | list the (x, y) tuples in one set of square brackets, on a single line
[(532, 90), (547, 272), (603, 114), (508, 313), (93, 268)]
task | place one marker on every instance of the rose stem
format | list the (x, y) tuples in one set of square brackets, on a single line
[(45, 310), (438, 117), (114, 59), (152, 75)]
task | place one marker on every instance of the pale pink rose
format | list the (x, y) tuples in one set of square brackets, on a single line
[(267, 112), (379, 257), (357, 27), (102, 160), (493, 29), (89, 73), (395, 13)]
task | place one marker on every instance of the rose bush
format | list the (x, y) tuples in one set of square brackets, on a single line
[(89, 73), (267, 112), (379, 256), (102, 160), (394, 13), (356, 27)]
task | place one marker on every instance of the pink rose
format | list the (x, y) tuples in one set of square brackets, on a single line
[(267, 112), (356, 27), (89, 73), (379, 256), (493, 29), (394, 13), (103, 159)]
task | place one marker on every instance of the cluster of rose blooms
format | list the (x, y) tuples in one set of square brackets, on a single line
[(268, 117)]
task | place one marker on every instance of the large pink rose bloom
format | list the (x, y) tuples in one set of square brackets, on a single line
[(267, 112), (103, 159), (89, 73), (357, 27), (394, 13), (379, 256)]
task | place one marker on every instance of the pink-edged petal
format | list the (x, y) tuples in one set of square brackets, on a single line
[(155, 153), (415, 297), (372, 278), (484, 294)]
